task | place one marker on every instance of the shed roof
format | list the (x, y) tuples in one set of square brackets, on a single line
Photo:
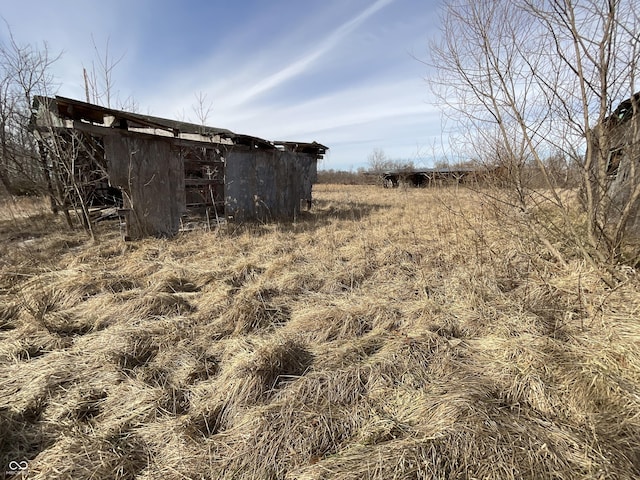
[(625, 110), (428, 171), (70, 109)]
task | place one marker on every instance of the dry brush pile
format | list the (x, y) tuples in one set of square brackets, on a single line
[(385, 334)]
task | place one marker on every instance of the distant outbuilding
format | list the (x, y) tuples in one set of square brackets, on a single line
[(435, 176)]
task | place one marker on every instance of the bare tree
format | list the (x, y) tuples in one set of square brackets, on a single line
[(530, 79), (379, 162), (38, 154), (202, 108), (98, 80), (25, 71)]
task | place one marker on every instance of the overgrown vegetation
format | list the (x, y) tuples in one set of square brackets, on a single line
[(24, 73), (411, 333), (529, 81), (385, 334)]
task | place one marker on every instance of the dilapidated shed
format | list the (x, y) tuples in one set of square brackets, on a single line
[(437, 176), (617, 140), (159, 170)]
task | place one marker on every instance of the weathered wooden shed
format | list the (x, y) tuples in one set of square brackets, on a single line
[(165, 169), (617, 139)]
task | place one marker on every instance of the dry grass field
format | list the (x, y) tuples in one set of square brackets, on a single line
[(385, 334)]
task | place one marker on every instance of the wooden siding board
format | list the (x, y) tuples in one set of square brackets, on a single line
[(268, 185), (152, 176)]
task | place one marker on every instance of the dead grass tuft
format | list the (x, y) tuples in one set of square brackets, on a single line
[(139, 352), (254, 308), (160, 304)]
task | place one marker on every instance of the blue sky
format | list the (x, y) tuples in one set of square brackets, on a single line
[(344, 73)]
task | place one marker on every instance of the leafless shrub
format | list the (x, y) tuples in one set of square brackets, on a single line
[(535, 86)]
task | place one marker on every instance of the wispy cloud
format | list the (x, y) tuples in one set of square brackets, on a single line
[(379, 102), (310, 57)]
